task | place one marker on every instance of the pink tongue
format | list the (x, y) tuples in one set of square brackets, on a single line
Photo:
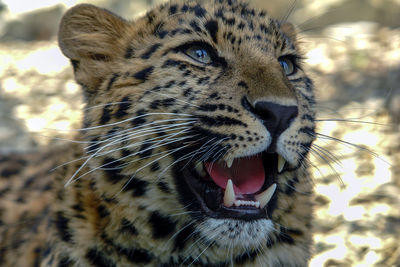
[(247, 174)]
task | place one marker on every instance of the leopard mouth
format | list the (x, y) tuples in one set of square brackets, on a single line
[(241, 188)]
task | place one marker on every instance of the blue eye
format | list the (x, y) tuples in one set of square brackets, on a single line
[(199, 53), (288, 66)]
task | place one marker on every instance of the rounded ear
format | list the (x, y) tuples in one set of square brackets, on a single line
[(87, 31), (289, 30)]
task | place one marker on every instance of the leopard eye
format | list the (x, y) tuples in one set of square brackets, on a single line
[(288, 65), (199, 54)]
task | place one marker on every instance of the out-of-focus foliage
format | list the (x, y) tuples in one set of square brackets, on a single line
[(353, 53)]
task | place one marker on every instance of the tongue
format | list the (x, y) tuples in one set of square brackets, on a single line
[(247, 174)]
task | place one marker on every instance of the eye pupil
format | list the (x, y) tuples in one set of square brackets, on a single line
[(201, 53), (288, 66)]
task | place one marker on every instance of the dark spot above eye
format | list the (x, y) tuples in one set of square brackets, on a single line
[(212, 28)]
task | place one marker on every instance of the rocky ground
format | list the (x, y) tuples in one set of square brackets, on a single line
[(356, 67)]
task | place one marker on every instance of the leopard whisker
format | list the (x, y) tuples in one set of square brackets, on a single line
[(133, 118), (321, 156), (141, 168), (148, 131), (120, 159), (359, 147), (328, 154), (198, 151), (150, 140), (178, 100), (355, 121)]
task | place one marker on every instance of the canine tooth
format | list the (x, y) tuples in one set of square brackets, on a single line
[(229, 162), (229, 196), (281, 163), (265, 196)]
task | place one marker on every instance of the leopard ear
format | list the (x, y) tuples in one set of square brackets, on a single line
[(93, 39), (89, 32), (289, 29)]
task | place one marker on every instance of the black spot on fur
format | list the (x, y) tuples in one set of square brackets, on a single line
[(220, 121), (98, 258), (212, 28), (284, 236), (195, 26), (143, 74), (129, 53), (114, 77), (63, 229), (208, 107), (112, 170), (162, 226), (171, 63), (65, 262), (10, 171), (163, 186), (105, 117), (150, 51), (102, 211), (173, 9), (199, 11), (136, 255), (188, 92), (137, 186), (128, 228), (183, 237), (140, 117), (124, 105), (155, 167), (161, 34), (249, 256)]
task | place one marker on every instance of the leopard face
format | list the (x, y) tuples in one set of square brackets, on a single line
[(199, 117)]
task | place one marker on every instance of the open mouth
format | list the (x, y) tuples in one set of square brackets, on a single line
[(241, 188)]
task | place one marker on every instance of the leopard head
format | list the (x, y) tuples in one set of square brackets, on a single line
[(200, 117)]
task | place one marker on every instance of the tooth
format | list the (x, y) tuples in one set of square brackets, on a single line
[(265, 196), (281, 163), (229, 162), (229, 196)]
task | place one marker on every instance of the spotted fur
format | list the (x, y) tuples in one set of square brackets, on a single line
[(117, 196)]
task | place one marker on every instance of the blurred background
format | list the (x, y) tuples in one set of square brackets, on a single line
[(353, 54)]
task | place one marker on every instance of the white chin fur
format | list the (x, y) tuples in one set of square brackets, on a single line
[(230, 233)]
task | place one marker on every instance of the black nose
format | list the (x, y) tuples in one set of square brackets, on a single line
[(276, 118)]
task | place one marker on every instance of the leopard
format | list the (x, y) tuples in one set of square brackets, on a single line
[(193, 149)]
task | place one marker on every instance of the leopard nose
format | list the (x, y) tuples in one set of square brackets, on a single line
[(276, 118)]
